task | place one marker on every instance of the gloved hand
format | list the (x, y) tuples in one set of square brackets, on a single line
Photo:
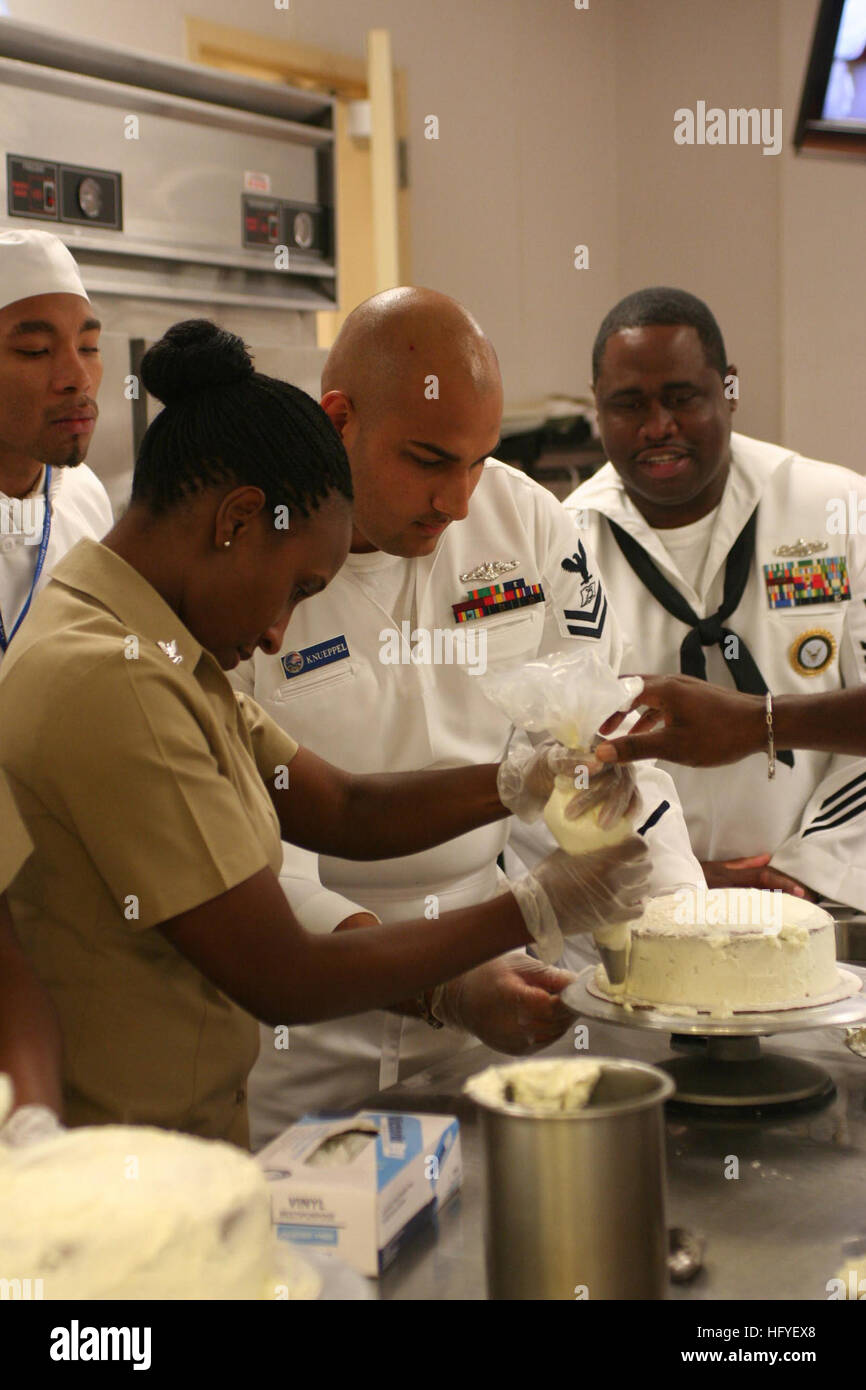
[(568, 894), (30, 1124), (527, 773), (614, 796), (511, 1003)]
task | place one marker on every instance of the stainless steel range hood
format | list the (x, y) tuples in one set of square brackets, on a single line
[(166, 180)]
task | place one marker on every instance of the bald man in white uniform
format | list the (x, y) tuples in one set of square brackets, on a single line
[(413, 385)]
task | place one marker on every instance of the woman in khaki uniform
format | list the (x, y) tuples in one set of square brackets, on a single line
[(29, 1031), (156, 798)]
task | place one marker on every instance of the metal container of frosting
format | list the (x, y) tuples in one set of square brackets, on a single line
[(575, 1178)]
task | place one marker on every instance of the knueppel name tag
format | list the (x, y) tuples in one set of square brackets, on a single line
[(313, 658)]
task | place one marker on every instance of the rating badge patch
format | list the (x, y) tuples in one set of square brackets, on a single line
[(801, 583), (588, 620)]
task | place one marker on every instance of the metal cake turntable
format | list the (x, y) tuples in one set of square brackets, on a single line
[(731, 1071)]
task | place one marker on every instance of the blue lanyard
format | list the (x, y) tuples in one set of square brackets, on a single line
[(40, 561)]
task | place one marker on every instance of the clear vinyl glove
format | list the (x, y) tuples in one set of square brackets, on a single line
[(567, 894), (615, 797), (30, 1124), (528, 772), (511, 1004)]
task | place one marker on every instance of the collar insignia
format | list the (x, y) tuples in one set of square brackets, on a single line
[(171, 651), (488, 569)]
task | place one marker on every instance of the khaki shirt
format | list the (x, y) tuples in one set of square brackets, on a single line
[(15, 843), (140, 780)]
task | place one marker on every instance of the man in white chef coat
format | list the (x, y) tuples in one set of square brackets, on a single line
[(738, 562), (451, 542), (50, 370)]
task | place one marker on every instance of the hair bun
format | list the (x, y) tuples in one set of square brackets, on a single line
[(194, 356)]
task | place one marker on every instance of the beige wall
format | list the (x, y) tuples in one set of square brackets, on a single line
[(557, 129), (823, 266), (775, 244), (703, 218)]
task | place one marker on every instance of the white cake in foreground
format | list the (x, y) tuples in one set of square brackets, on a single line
[(137, 1213), (849, 1281), (583, 835), (725, 950), (547, 1087)]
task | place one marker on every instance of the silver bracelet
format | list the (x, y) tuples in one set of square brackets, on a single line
[(771, 743)]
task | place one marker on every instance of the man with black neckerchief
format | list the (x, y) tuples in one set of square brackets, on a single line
[(727, 559)]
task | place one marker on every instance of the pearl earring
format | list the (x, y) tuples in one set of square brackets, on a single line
[(226, 543)]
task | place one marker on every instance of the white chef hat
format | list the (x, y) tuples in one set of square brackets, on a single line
[(33, 262)]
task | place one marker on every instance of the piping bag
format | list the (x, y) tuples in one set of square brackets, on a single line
[(566, 696)]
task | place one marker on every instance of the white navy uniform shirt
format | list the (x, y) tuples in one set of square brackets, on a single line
[(79, 507), (806, 632), (330, 689)]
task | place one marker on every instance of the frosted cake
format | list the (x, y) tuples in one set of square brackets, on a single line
[(725, 950), (122, 1212)]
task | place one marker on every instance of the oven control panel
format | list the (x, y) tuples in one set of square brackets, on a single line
[(305, 228), (58, 192)]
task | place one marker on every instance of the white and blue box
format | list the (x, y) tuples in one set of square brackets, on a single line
[(360, 1186)]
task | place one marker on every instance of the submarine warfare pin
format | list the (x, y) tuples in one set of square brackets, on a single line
[(488, 569)]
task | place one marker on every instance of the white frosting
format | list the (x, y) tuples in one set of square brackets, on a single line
[(853, 1278), (292, 1277), (583, 835), (137, 1213), (7, 1096), (730, 949), (545, 1087)]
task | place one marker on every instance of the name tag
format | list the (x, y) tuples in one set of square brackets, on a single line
[(800, 583), (313, 658)]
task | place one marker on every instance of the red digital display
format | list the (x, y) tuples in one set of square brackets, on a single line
[(32, 188)]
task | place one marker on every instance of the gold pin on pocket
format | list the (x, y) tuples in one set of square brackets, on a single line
[(812, 652)]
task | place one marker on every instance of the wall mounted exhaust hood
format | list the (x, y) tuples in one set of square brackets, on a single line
[(168, 181)]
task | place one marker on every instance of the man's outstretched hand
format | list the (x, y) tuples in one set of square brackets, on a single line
[(687, 721)]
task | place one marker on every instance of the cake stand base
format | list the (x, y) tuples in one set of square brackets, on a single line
[(723, 1068), (734, 1073)]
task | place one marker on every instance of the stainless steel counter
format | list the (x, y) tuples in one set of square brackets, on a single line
[(775, 1231)]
